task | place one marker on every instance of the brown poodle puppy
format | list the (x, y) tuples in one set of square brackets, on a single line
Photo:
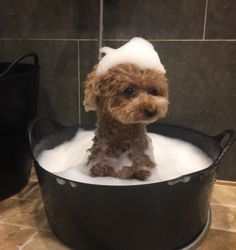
[(125, 99)]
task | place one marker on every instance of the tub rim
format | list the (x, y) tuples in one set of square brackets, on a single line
[(200, 173)]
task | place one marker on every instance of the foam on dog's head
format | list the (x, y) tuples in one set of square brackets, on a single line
[(137, 51)]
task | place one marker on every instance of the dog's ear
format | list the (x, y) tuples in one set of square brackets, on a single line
[(91, 92)]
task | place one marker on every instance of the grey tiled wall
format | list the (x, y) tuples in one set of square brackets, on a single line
[(196, 40)]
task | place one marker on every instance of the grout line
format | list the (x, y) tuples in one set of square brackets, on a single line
[(16, 225), (152, 40), (226, 183), (50, 39), (29, 192), (223, 229), (205, 20), (44, 230), (175, 40), (88, 40), (223, 205), (118, 40), (40, 39), (100, 28), (78, 84), (34, 180), (27, 241), (22, 199), (39, 229)]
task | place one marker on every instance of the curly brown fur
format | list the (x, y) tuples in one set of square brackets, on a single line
[(125, 99)]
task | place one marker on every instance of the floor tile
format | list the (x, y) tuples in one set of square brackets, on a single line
[(88, 58), (5, 205), (223, 218), (12, 236), (25, 212), (226, 183), (45, 241), (224, 194), (27, 190), (45, 225), (27, 215), (33, 176), (218, 240), (35, 194)]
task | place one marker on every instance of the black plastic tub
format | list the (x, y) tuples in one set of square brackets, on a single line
[(166, 215), (18, 106)]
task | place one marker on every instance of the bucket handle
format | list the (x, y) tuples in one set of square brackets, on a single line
[(229, 142), (34, 55), (33, 125)]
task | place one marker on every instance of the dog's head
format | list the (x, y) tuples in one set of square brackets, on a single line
[(128, 94)]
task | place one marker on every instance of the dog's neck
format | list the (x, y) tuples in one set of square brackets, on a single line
[(111, 129)]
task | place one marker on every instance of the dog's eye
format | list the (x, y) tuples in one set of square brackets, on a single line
[(154, 92), (129, 91)]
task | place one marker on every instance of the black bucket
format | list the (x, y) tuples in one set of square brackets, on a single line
[(18, 106), (167, 215)]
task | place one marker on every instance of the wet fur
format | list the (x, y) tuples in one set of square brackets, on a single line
[(121, 125)]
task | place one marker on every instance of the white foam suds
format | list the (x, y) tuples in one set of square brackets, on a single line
[(137, 51), (174, 158), (61, 181)]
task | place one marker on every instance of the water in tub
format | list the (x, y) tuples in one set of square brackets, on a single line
[(173, 157)]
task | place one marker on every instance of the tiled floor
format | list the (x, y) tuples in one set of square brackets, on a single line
[(23, 224)]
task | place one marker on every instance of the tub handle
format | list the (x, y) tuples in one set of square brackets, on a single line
[(33, 125), (34, 55), (227, 145)]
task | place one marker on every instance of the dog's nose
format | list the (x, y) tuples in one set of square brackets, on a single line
[(150, 112)]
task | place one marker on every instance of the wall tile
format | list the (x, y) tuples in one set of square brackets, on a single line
[(58, 95), (88, 58), (201, 77), (195, 72), (49, 19), (201, 74), (221, 21), (154, 19), (202, 89), (79, 19)]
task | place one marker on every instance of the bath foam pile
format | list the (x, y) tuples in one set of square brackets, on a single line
[(137, 51), (174, 158)]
